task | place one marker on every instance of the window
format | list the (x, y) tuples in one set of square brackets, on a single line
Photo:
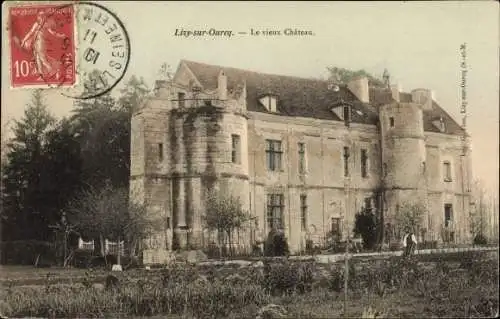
[(385, 169), (447, 171), (424, 168), (391, 121), (275, 205), (160, 152), (273, 155), (302, 158), (181, 96), (448, 215), (168, 222), (347, 115), (364, 163), (335, 228), (236, 149), (368, 203), (303, 211), (346, 161)]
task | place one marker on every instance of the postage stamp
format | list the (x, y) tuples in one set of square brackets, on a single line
[(82, 47), (42, 45)]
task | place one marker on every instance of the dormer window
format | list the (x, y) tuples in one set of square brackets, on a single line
[(343, 112), (439, 124), (270, 102)]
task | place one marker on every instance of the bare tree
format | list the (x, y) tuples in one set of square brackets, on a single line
[(478, 218), (107, 213), (224, 214)]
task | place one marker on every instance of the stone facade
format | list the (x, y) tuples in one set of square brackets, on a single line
[(336, 149)]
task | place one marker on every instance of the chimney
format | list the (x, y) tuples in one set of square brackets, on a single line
[(161, 88), (359, 87), (222, 85), (423, 97), (395, 90)]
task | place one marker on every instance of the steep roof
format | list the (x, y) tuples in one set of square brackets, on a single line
[(296, 96), (311, 98)]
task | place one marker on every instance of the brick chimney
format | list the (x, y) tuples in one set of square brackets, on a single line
[(423, 97), (395, 90), (359, 87), (222, 85)]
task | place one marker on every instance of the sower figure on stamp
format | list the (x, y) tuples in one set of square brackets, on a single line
[(37, 39), (409, 243)]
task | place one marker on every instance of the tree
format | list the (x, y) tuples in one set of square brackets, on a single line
[(368, 227), (409, 218), (344, 76), (107, 213), (27, 212), (224, 214), (479, 214), (133, 94), (165, 72)]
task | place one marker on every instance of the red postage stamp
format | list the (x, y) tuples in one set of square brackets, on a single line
[(42, 45)]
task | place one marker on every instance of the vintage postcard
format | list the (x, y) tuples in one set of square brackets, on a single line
[(249, 159)]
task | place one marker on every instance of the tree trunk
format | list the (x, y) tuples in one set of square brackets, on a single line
[(118, 257)]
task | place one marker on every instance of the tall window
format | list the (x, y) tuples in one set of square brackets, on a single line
[(236, 149), (364, 163), (447, 171), (275, 206), (346, 161), (273, 155), (160, 152), (448, 215), (181, 97), (302, 158), (335, 228), (303, 211), (391, 121)]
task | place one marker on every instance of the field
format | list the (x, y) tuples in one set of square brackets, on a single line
[(460, 285)]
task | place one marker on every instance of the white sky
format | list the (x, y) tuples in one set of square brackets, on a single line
[(418, 42)]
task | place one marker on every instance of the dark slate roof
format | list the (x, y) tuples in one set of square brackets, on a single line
[(310, 98), (296, 96)]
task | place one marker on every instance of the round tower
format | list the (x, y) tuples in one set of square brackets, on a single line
[(210, 153), (403, 156)]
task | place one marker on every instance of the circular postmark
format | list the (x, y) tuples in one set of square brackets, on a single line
[(103, 53)]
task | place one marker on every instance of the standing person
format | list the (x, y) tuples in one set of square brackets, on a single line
[(409, 243)]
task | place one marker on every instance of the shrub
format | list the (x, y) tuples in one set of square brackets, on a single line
[(25, 252), (284, 277), (480, 240), (276, 244)]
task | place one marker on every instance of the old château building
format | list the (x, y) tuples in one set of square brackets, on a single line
[(303, 155)]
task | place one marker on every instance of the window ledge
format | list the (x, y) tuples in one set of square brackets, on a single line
[(448, 180)]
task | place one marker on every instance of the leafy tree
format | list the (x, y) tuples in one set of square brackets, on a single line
[(409, 218), (224, 214), (368, 227), (344, 76), (479, 214)]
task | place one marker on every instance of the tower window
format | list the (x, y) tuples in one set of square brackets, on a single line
[(181, 97), (160, 152), (303, 212), (302, 158), (364, 163), (236, 149), (448, 215), (346, 161), (391, 121), (447, 171)]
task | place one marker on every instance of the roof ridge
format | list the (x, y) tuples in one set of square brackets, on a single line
[(256, 72)]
